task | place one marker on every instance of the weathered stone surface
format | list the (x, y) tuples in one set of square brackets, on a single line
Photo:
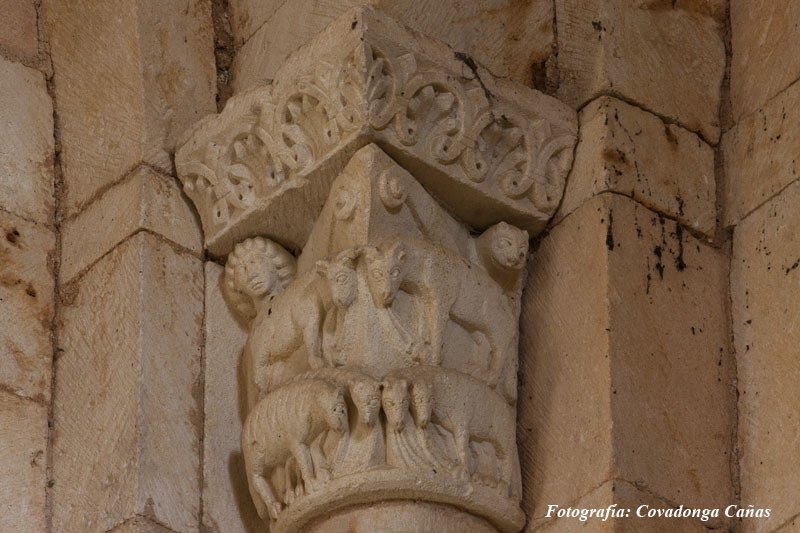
[(26, 143), (627, 150), (762, 154), (512, 40), (615, 382), (139, 524), (129, 78), (624, 496), (668, 355), (667, 59), (765, 280), (23, 447), (145, 200), (765, 35), (247, 16), (226, 499), (26, 307), (18, 34), (127, 403), (265, 164), (564, 420)]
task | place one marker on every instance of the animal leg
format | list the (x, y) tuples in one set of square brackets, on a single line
[(462, 448), (303, 456), (270, 503), (321, 471)]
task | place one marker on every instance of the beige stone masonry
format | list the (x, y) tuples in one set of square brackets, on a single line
[(127, 407), (18, 32), (627, 150), (762, 154), (765, 280), (669, 60), (623, 335), (23, 448), (469, 138), (226, 499), (26, 307), (140, 524), (765, 35), (130, 77), (145, 200), (26, 143), (512, 40), (625, 496)]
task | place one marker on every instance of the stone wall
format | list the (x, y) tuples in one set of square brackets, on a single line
[(658, 360)]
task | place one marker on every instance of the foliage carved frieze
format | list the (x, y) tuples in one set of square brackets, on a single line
[(470, 138)]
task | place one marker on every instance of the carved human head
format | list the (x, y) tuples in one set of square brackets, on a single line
[(335, 409), (421, 402), (366, 395), (394, 400), (341, 274), (385, 266), (256, 268), (504, 246)]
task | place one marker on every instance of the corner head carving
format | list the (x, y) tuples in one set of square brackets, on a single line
[(256, 268), (502, 250)]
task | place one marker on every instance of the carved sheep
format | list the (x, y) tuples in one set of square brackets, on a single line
[(281, 426), (462, 404), (449, 287)]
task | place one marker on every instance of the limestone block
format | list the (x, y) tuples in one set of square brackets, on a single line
[(623, 496), (762, 154), (26, 307), (140, 524), (489, 149), (18, 34), (26, 143), (764, 39), (226, 499), (630, 151), (127, 407), (145, 200), (247, 16), (130, 77), (765, 280), (23, 447), (623, 334), (512, 40), (667, 60)]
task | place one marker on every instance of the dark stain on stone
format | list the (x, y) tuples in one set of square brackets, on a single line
[(679, 264), (30, 291), (795, 265), (670, 136), (13, 236), (610, 231)]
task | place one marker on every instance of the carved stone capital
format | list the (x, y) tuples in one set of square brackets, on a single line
[(381, 361), (490, 150)]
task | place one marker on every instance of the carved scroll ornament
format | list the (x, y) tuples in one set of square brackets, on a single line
[(375, 204), (496, 143)]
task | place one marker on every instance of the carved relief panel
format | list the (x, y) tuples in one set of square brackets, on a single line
[(374, 205), (382, 363)]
